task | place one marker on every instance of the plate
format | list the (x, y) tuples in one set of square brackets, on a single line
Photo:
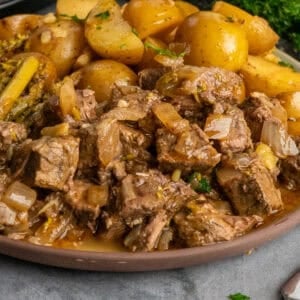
[(171, 259), (8, 3)]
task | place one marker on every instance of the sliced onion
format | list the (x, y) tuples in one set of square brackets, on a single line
[(275, 135), (19, 196), (98, 195), (217, 126), (7, 215)]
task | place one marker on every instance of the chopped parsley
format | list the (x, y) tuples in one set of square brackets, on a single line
[(199, 184), (162, 51), (238, 296), (285, 64), (103, 15), (134, 31), (74, 18)]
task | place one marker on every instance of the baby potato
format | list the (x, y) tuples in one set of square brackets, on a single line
[(110, 36), (18, 24), (62, 41), (294, 128), (150, 17), (186, 8), (291, 103), (47, 69), (213, 41), (261, 37), (267, 77), (102, 75), (79, 8)]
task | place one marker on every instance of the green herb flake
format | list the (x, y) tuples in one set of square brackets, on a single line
[(134, 31), (199, 184), (238, 296), (74, 18), (285, 64), (103, 15), (229, 19), (164, 52)]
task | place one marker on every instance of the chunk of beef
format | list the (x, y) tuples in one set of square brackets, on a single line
[(113, 226), (145, 237), (260, 108), (53, 162), (87, 105), (207, 85), (249, 186), (144, 194), (290, 172), (10, 135), (229, 131), (187, 151), (86, 200), (202, 225), (148, 77), (188, 108)]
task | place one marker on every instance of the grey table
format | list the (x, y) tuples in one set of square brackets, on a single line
[(259, 275)]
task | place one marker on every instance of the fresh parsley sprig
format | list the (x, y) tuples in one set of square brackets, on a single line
[(163, 51)]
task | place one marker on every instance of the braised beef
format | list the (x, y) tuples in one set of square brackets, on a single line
[(207, 85), (10, 135), (149, 77), (259, 108), (201, 224), (53, 162), (187, 151), (87, 105), (290, 172), (249, 186)]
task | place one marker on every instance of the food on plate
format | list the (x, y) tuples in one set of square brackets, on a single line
[(153, 128)]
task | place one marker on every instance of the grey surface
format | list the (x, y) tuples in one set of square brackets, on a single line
[(259, 275)]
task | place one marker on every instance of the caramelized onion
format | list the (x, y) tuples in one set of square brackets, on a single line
[(217, 126), (275, 135), (19, 196)]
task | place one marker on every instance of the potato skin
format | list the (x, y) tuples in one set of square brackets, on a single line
[(102, 75), (213, 41), (150, 17), (62, 41), (79, 8), (110, 36), (186, 8), (18, 24), (261, 37), (272, 79)]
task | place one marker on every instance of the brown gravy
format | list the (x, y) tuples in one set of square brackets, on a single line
[(91, 243)]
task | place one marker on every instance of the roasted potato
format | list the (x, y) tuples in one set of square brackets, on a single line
[(111, 36), (102, 76), (62, 41), (18, 24), (78, 8), (291, 103), (152, 17), (270, 78), (186, 8), (213, 41), (294, 128), (260, 35)]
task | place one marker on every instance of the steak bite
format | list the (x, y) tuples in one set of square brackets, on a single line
[(249, 186), (260, 108), (10, 135), (87, 105), (53, 162), (201, 224), (229, 131)]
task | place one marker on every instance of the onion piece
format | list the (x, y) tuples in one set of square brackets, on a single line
[(7, 215), (275, 135), (19, 196), (98, 195), (217, 126)]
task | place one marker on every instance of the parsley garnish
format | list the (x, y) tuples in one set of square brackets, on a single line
[(285, 64), (103, 15), (74, 18), (164, 52), (239, 296), (134, 31), (199, 184)]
